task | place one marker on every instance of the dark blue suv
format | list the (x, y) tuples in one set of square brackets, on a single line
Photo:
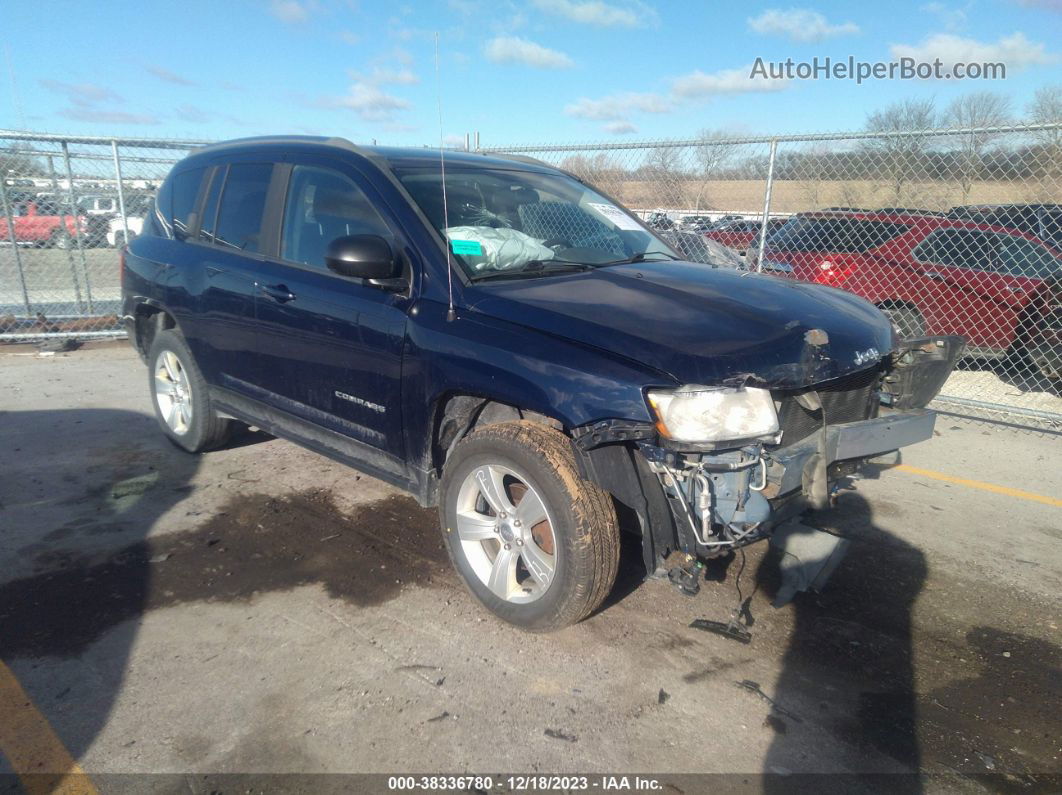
[(504, 341)]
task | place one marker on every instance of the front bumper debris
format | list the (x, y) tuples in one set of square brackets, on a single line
[(804, 464), (809, 557)]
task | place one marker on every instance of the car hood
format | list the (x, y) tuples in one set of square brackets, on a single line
[(700, 325)]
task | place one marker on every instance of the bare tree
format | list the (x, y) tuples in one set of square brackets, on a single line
[(1046, 108), (19, 160), (901, 158), (713, 153), (663, 161), (662, 167), (599, 170), (979, 109)]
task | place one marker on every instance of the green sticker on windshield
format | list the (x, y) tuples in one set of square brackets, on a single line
[(467, 248)]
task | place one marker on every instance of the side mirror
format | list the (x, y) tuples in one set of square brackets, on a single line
[(362, 257)]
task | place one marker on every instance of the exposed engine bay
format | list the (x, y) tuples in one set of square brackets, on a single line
[(718, 500)]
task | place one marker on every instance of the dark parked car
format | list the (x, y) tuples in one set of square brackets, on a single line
[(1039, 220), (660, 220), (695, 223), (525, 354)]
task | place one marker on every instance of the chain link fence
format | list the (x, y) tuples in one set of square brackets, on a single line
[(68, 204), (953, 231), (948, 231)]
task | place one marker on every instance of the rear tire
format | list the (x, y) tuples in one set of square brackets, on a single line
[(907, 320), (180, 396), (554, 567)]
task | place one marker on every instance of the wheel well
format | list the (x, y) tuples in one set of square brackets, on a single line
[(458, 415), (149, 321)]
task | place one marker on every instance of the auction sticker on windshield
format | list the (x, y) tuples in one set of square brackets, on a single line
[(466, 248), (615, 215)]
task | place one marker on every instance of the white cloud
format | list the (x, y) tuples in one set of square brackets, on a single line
[(290, 11), (697, 84), (169, 77), (596, 12), (349, 37), (799, 24), (620, 128), (385, 76), (370, 103), (193, 114), (617, 107), (82, 94), (1047, 5), (96, 115), (513, 49), (1015, 50), (952, 19)]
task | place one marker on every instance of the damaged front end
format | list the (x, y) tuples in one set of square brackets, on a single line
[(707, 498)]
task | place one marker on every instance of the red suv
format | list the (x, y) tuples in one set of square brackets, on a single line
[(929, 274)]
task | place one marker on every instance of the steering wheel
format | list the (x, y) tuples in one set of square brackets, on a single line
[(557, 243)]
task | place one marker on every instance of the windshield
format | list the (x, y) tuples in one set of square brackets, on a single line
[(504, 222)]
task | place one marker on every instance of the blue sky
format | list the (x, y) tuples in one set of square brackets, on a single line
[(518, 71)]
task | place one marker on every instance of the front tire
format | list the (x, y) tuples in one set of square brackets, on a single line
[(537, 545), (180, 396)]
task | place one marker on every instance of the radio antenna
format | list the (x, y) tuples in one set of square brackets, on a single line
[(451, 315)]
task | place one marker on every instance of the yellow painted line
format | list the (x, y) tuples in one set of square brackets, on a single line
[(31, 746), (978, 484)]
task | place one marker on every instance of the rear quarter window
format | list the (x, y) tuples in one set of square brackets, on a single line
[(184, 193)]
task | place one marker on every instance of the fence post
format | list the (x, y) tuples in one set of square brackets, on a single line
[(121, 191), (77, 226), (62, 218), (14, 245), (766, 206)]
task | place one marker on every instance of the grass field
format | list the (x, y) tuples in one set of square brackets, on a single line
[(790, 196)]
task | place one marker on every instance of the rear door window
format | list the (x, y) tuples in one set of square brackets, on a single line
[(322, 205), (185, 192), (243, 199), (960, 248), (841, 235)]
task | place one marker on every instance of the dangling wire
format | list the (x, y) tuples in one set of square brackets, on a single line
[(450, 313)]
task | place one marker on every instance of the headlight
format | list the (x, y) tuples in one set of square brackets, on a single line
[(714, 414)]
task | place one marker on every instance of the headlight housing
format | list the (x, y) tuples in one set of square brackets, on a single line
[(695, 413)]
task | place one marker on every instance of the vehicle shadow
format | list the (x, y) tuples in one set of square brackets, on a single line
[(80, 492), (84, 562), (848, 669)]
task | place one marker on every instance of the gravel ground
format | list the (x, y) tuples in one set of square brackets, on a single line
[(260, 609)]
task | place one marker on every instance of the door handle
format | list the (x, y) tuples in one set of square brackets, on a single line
[(935, 276), (278, 292), (1013, 288)]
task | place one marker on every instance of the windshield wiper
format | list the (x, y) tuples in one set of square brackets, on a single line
[(535, 267), (641, 257)]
